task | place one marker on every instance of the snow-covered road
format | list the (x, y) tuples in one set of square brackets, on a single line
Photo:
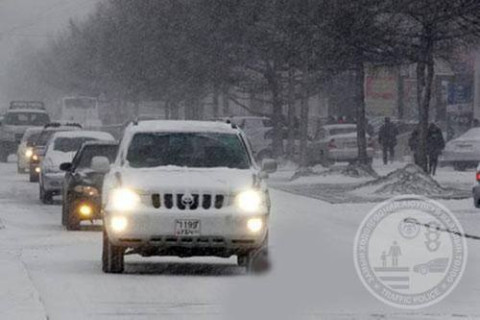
[(49, 273)]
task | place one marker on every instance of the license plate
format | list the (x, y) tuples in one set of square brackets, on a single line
[(187, 227)]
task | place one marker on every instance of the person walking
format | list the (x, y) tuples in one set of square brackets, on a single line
[(413, 144), (387, 137), (435, 146)]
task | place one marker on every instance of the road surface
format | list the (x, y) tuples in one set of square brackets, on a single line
[(49, 273)]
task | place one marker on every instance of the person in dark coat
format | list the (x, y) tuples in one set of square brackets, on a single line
[(435, 145), (413, 144), (387, 137)]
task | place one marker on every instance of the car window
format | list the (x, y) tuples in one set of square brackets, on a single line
[(64, 144), (197, 150), (26, 119), (84, 159)]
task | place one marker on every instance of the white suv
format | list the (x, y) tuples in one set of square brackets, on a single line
[(184, 188)]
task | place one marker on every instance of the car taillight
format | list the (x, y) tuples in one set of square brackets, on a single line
[(477, 175), (331, 144)]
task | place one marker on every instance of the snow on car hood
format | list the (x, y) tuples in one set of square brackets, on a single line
[(54, 159), (188, 179)]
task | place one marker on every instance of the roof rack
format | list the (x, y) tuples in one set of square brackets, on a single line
[(233, 125), (59, 124), (34, 105)]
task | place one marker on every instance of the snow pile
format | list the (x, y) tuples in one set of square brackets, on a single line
[(352, 170), (408, 180)]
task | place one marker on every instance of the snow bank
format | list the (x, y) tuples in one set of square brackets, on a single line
[(408, 180)]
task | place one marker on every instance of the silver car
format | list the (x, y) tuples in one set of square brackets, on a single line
[(337, 143), (464, 151)]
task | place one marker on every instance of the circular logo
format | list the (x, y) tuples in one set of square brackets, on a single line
[(410, 252)]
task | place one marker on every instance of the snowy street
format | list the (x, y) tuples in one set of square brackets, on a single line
[(49, 273)]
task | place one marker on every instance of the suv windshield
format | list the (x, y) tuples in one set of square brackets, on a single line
[(26, 119), (89, 152), (196, 150), (69, 144)]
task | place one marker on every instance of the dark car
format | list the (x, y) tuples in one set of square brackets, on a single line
[(38, 146), (83, 185)]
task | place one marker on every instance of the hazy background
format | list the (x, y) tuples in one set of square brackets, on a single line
[(33, 23)]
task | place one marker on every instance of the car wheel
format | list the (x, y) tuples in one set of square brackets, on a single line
[(256, 261), (3, 155), (33, 177), (72, 221), (45, 196), (112, 256)]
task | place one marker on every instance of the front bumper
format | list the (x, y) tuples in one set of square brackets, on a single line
[(221, 233), (53, 182)]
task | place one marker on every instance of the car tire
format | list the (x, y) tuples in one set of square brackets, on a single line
[(33, 176), (45, 196), (3, 155), (113, 257), (72, 221), (256, 261)]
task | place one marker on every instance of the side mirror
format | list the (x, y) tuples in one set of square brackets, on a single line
[(100, 164), (66, 166), (269, 165)]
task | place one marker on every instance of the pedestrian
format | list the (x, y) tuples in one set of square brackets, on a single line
[(413, 144), (435, 145), (387, 137)]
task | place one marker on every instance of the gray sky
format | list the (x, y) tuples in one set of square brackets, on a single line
[(35, 21)]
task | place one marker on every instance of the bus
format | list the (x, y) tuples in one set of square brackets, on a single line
[(82, 110)]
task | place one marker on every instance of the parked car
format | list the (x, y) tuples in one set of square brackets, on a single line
[(464, 151), (61, 148), (337, 143), (185, 188), (38, 146), (20, 116), (25, 149), (82, 185)]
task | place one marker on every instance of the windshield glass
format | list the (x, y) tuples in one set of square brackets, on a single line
[(89, 152), (32, 137), (196, 150), (69, 144), (26, 119)]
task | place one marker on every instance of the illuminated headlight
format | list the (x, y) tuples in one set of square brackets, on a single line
[(250, 201), (87, 190), (29, 153), (37, 169), (119, 224), (123, 200), (254, 225), (85, 210), (34, 157)]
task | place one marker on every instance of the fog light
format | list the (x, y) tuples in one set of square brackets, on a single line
[(255, 225), (118, 224), (37, 170), (85, 210)]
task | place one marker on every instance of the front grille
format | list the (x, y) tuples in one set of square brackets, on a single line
[(187, 202)]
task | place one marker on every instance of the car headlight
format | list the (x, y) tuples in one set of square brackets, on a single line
[(254, 225), (119, 224), (250, 201), (87, 190), (123, 200), (29, 153), (34, 157)]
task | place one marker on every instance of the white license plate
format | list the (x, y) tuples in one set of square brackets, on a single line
[(187, 227)]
